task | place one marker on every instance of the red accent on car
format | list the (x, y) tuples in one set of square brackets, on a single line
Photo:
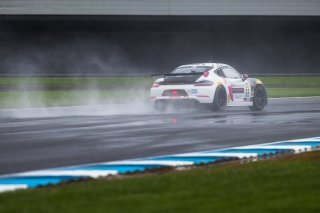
[(230, 92), (205, 74), (155, 84)]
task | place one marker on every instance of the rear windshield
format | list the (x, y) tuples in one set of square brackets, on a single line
[(191, 69)]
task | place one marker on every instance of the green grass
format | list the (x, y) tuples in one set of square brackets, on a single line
[(290, 80), (76, 81), (129, 81), (292, 92), (291, 184)]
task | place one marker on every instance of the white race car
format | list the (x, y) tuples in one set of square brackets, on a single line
[(212, 84)]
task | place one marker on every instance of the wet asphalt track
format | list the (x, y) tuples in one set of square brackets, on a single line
[(82, 135)]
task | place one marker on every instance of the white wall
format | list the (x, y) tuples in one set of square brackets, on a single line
[(162, 7)]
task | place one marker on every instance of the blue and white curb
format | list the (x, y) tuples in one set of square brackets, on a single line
[(55, 176)]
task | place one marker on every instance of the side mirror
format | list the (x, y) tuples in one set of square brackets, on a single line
[(244, 76)]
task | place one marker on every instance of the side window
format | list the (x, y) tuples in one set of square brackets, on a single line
[(230, 73), (220, 73)]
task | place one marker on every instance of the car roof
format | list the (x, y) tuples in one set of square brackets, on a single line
[(213, 65)]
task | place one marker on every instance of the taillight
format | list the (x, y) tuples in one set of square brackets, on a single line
[(155, 84), (205, 74), (174, 92), (203, 83)]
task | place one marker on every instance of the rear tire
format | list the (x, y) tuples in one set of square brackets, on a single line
[(260, 98), (220, 99)]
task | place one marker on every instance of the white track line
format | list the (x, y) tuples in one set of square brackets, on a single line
[(315, 139), (12, 187), (303, 97), (74, 173), (301, 140), (212, 154), (295, 148), (151, 162)]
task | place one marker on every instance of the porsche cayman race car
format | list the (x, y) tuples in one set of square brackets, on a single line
[(214, 85)]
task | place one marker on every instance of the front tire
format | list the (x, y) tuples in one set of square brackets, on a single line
[(260, 98), (220, 99)]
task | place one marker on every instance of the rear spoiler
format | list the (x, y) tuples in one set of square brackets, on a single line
[(178, 74)]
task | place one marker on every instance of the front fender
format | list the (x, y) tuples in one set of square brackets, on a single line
[(254, 82)]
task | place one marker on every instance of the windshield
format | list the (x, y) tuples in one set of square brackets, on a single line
[(191, 69)]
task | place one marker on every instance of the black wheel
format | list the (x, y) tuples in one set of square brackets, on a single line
[(220, 99), (260, 98)]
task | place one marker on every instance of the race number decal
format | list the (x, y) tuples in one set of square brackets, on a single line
[(247, 90)]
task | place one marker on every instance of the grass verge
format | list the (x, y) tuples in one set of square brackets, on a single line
[(76, 81), (291, 80), (289, 184), (133, 81), (292, 92)]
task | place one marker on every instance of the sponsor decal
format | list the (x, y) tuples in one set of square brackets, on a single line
[(247, 90), (193, 91), (237, 90)]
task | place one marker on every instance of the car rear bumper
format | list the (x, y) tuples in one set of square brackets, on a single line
[(202, 94), (181, 99)]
